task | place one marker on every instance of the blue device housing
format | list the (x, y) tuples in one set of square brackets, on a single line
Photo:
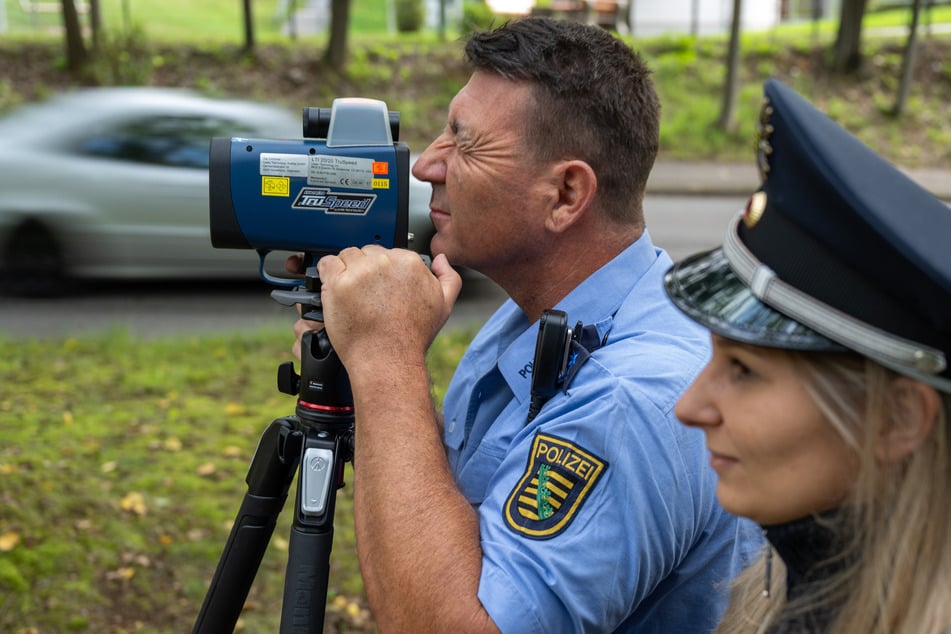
[(304, 196)]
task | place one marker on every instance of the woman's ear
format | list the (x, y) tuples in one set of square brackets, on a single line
[(916, 411), (576, 185)]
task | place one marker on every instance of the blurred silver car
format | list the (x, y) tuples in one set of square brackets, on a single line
[(112, 183)]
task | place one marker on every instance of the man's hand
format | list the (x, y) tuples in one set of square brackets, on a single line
[(384, 302)]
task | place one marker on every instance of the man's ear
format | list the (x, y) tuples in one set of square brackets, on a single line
[(915, 415), (576, 185)]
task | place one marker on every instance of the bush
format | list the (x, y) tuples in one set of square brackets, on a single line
[(409, 15), (122, 58), (476, 16)]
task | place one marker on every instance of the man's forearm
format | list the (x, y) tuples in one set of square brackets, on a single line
[(417, 536)]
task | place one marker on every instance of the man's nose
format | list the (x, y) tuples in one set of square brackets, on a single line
[(429, 166)]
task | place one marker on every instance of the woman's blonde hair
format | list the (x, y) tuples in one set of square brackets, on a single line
[(895, 573)]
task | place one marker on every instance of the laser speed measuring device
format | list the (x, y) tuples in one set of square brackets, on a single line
[(345, 183)]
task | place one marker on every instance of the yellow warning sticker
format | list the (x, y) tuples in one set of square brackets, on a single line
[(275, 186)]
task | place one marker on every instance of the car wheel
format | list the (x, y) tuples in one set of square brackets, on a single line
[(33, 263)]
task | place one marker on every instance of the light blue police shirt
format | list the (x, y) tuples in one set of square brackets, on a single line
[(601, 514)]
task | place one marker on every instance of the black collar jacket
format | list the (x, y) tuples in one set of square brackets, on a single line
[(812, 550)]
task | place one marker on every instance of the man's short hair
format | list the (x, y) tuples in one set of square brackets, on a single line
[(595, 101)]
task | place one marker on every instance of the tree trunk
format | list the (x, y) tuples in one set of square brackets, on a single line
[(248, 27), (75, 48), (731, 86), (847, 51), (908, 62), (95, 22), (336, 54)]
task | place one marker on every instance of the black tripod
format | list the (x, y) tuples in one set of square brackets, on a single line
[(317, 442)]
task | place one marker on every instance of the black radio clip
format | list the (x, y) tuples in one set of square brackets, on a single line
[(553, 357)]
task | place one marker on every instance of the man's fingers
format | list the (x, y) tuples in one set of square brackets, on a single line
[(302, 327), (448, 278), (295, 264), (329, 266)]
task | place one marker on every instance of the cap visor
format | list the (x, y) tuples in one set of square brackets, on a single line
[(709, 292)]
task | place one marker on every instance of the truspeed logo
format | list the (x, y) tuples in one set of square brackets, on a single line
[(321, 199)]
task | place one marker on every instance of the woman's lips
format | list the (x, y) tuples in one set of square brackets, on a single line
[(721, 462)]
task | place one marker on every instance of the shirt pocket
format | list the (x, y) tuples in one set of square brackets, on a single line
[(479, 471)]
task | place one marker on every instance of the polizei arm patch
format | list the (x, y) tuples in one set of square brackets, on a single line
[(557, 480)]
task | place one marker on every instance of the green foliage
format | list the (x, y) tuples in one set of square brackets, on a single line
[(123, 58), (122, 467), (476, 16), (409, 15), (674, 44)]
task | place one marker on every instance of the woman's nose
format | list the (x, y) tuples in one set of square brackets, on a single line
[(695, 407)]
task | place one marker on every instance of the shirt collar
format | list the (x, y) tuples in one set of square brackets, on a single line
[(594, 301)]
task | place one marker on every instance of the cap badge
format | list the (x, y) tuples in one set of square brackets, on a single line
[(755, 207)]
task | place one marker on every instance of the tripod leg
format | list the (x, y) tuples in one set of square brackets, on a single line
[(269, 478), (311, 539), (305, 585)]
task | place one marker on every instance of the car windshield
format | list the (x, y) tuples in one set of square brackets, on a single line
[(176, 141)]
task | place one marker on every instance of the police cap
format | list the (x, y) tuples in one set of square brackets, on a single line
[(837, 250)]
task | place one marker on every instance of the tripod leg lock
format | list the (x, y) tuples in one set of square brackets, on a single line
[(317, 475)]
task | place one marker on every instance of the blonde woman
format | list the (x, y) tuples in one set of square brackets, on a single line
[(825, 403)]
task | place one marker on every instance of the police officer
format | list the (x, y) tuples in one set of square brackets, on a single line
[(826, 401), (598, 514)]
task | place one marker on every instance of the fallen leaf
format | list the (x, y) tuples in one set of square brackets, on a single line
[(234, 409), (8, 541), (133, 502), (122, 574)]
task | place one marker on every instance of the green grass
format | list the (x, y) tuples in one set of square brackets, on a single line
[(222, 20), (206, 21), (171, 20), (121, 468)]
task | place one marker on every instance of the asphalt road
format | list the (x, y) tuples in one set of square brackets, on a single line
[(681, 224)]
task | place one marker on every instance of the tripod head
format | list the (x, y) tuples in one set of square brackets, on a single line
[(322, 387)]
